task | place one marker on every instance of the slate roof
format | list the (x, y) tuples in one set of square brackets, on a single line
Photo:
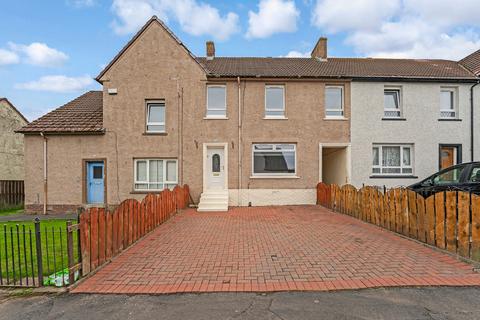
[(472, 62), (81, 115), (356, 68)]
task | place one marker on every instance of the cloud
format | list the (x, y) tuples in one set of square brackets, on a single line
[(196, 18), (298, 54), (39, 54), (8, 57), (274, 16), (57, 83), (403, 29)]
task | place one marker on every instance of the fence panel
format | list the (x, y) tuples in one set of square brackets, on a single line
[(449, 220), (12, 193)]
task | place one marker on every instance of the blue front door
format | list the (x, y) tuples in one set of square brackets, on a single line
[(95, 182)]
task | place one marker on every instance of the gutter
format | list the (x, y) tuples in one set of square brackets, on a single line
[(472, 121), (45, 176)]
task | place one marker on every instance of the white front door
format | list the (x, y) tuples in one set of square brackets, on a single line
[(215, 168)]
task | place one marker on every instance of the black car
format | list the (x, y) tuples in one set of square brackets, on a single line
[(461, 177)]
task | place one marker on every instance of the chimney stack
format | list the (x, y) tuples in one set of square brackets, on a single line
[(210, 50), (320, 50)]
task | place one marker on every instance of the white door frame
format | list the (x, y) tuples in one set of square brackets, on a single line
[(205, 169), (348, 147)]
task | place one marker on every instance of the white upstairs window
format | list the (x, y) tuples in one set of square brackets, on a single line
[(156, 117), (334, 102), (216, 101), (392, 159), (447, 103), (274, 101), (392, 103)]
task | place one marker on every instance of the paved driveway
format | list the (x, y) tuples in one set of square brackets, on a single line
[(274, 249)]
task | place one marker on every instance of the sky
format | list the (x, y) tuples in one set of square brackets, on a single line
[(51, 50)]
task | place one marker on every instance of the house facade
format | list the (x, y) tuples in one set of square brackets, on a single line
[(238, 131), (11, 143)]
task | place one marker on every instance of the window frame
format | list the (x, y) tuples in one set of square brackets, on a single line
[(379, 166), (283, 116), (342, 109), (293, 174), (453, 110), (399, 110), (150, 103), (147, 182), (224, 116)]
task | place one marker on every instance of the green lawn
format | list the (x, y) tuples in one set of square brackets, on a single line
[(12, 211), (19, 256)]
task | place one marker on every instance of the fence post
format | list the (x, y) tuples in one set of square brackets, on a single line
[(38, 242), (71, 262)]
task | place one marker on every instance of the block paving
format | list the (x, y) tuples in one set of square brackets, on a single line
[(263, 249)]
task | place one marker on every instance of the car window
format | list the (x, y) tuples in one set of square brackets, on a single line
[(449, 177), (475, 175)]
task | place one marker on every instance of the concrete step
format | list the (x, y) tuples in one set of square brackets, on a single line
[(213, 200)]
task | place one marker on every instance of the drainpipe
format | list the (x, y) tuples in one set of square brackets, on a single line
[(45, 179), (239, 142), (472, 122)]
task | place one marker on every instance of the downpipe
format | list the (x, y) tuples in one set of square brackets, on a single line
[(45, 176)]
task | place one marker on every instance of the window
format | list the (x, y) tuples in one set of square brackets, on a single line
[(274, 101), (274, 159), (392, 160), (156, 116), (475, 175), (447, 103), (155, 174), (216, 101), (216, 163), (449, 176), (392, 107), (97, 172), (333, 102)]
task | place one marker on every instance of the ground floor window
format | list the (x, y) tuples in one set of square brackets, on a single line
[(274, 159), (155, 174), (391, 159)]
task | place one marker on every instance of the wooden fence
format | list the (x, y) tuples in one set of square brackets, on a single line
[(11, 193), (448, 220), (104, 234)]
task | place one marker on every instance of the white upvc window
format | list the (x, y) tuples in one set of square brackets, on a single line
[(392, 159), (334, 102), (155, 116), (216, 101), (447, 103), (155, 174), (392, 103), (274, 101), (274, 159)]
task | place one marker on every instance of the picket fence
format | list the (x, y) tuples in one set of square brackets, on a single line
[(104, 234), (448, 220)]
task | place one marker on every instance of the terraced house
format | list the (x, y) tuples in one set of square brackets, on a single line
[(239, 131)]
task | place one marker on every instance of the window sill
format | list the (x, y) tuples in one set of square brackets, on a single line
[(336, 118), (449, 119), (145, 191), (394, 119), (215, 118), (275, 118), (274, 177), (155, 134), (393, 177)]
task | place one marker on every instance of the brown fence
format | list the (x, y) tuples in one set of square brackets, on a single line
[(448, 220), (11, 193), (104, 234)]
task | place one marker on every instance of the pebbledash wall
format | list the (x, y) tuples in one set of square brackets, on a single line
[(421, 127), (155, 66)]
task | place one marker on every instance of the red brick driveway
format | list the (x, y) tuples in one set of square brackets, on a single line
[(274, 249)]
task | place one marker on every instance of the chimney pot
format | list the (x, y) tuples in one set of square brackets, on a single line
[(210, 50), (320, 51)]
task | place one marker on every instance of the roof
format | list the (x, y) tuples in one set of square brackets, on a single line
[(359, 68), (136, 36), (472, 62), (81, 115), (14, 109)]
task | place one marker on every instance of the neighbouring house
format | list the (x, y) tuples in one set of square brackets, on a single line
[(11, 143), (238, 131)]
